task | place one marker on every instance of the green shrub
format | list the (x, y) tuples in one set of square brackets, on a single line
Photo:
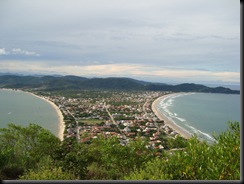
[(44, 173), (198, 161)]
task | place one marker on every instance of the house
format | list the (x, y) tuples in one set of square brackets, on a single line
[(127, 129)]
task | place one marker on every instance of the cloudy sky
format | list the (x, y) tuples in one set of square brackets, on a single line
[(169, 41)]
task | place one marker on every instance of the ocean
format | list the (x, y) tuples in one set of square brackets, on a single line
[(199, 113), (202, 113), (22, 108)]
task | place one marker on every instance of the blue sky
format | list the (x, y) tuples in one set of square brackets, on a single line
[(171, 41)]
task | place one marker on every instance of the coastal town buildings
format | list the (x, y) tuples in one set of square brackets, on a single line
[(126, 115)]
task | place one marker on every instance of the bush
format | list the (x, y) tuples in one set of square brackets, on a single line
[(44, 173), (198, 161), (114, 160), (23, 147)]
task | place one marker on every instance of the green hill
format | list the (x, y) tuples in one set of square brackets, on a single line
[(111, 83)]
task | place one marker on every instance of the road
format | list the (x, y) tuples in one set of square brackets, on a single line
[(112, 119), (77, 129)]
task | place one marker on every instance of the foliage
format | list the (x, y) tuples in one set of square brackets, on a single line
[(68, 83), (44, 173), (115, 160), (72, 157), (98, 172), (23, 147), (33, 153), (199, 160), (47, 170), (171, 143)]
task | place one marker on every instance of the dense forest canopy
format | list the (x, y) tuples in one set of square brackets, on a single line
[(33, 153)]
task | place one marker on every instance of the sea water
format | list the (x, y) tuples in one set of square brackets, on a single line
[(202, 113), (22, 109)]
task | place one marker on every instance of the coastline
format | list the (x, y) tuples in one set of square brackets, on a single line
[(168, 122), (61, 122)]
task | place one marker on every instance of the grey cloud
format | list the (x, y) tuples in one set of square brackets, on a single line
[(189, 33)]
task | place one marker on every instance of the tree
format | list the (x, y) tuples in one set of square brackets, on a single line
[(23, 147), (55, 173), (198, 161), (72, 157), (114, 160), (46, 170)]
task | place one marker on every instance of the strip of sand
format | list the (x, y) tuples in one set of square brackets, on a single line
[(59, 113), (168, 122), (60, 117)]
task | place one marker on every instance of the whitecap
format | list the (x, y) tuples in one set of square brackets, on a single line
[(201, 135), (181, 119)]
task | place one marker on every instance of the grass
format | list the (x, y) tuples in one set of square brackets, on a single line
[(92, 121)]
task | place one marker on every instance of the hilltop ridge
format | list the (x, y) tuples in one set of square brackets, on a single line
[(72, 82)]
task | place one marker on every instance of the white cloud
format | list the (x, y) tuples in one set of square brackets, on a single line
[(17, 51), (24, 52), (3, 51)]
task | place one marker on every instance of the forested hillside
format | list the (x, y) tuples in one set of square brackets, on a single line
[(33, 153), (110, 83)]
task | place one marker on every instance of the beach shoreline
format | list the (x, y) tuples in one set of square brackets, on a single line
[(183, 133), (61, 122)]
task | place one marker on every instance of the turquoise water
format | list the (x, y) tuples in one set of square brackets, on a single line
[(22, 108), (202, 113)]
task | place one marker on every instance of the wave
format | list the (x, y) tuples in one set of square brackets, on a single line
[(200, 134), (180, 121)]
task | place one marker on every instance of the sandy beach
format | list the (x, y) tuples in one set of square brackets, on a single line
[(60, 115), (167, 122)]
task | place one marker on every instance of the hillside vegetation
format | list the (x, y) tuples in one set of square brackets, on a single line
[(33, 153), (111, 83)]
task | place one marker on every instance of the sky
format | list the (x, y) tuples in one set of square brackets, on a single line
[(168, 41)]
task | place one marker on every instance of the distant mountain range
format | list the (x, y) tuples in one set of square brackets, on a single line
[(110, 83)]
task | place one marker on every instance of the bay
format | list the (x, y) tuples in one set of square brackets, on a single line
[(23, 108), (202, 113)]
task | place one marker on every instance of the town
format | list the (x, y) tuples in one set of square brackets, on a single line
[(126, 115)]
